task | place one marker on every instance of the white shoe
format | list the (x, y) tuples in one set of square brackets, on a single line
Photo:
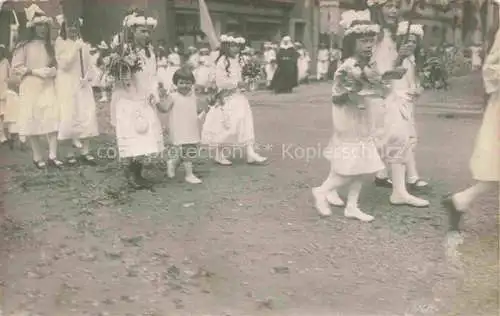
[(320, 203), (170, 169), (356, 213), (223, 161), (334, 199), (255, 158), (192, 179), (409, 200)]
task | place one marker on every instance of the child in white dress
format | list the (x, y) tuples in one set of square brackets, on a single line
[(407, 89), (352, 150), (75, 73), (183, 125), (231, 121), (302, 62), (270, 64), (134, 100)]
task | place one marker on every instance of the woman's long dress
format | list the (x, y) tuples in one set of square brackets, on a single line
[(39, 110), (485, 160), (76, 99), (233, 122), (286, 76), (138, 128)]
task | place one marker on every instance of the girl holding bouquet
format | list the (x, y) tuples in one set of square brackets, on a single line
[(78, 120), (352, 150), (34, 63), (230, 122), (392, 134), (135, 97)]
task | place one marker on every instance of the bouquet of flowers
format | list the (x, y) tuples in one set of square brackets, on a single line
[(122, 62)]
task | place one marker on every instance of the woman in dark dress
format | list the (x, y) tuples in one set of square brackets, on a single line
[(285, 78)]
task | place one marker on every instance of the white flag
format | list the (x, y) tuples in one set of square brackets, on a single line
[(207, 26)]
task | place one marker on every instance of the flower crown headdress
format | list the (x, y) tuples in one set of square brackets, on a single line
[(137, 20), (60, 20), (415, 29), (35, 16), (358, 22), (375, 3), (230, 39)]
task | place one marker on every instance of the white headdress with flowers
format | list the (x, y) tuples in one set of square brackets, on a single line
[(415, 29), (60, 20), (33, 18), (230, 39), (374, 3), (137, 20), (349, 17)]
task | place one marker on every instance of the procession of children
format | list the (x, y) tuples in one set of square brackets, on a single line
[(47, 94)]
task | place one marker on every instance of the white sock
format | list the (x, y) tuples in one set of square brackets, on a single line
[(353, 195)]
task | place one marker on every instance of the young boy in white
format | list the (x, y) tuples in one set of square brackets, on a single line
[(183, 124)]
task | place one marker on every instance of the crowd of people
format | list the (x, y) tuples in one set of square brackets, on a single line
[(47, 93)]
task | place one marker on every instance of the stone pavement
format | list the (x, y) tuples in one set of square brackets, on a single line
[(465, 97)]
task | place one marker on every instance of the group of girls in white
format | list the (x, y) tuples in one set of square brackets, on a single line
[(50, 95), (374, 92), (139, 95)]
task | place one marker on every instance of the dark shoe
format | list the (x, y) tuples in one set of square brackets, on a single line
[(383, 182), (136, 180), (11, 143), (418, 186), (454, 215), (55, 163), (88, 159), (71, 161)]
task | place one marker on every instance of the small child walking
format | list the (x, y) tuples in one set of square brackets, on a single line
[(183, 124), (352, 150)]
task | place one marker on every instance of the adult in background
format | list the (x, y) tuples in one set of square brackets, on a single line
[(286, 76)]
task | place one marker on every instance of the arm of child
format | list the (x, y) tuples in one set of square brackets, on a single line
[(165, 104)]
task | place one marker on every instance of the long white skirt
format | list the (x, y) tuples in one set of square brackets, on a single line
[(78, 117), (138, 128), (231, 124), (270, 69), (303, 68), (322, 67)]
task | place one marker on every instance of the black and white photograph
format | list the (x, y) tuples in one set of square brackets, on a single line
[(249, 157)]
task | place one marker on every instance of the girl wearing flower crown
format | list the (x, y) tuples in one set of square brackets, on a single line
[(34, 63), (135, 96), (394, 146), (78, 120), (231, 121), (352, 150)]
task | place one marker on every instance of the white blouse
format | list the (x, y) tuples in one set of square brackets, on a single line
[(228, 79)]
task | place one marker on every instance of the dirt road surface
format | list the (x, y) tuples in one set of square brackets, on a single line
[(247, 241)]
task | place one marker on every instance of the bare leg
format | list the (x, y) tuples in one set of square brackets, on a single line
[(332, 182), (464, 199), (35, 148), (352, 210), (400, 194)]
